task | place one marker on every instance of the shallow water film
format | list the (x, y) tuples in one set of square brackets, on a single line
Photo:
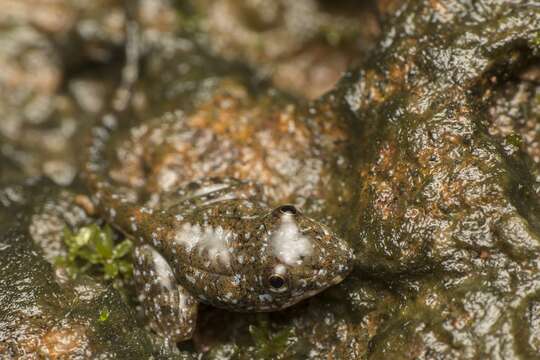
[(307, 179)]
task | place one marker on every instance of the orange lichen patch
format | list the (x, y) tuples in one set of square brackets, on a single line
[(227, 114), (34, 342), (374, 93), (60, 343), (381, 183), (385, 200), (399, 72), (139, 215), (462, 318)]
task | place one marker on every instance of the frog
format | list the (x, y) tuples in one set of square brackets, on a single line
[(211, 232)]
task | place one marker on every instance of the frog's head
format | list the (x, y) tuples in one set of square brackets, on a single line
[(248, 257), (301, 258)]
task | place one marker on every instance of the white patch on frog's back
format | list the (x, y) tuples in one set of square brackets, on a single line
[(288, 244), (214, 244), (188, 236)]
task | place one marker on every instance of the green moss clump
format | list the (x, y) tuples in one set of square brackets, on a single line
[(103, 315), (91, 250)]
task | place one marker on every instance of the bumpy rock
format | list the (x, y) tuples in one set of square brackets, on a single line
[(44, 315), (441, 203), (434, 188)]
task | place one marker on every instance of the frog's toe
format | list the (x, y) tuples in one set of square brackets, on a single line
[(171, 310)]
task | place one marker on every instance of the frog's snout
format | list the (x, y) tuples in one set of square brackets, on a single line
[(316, 256), (338, 260)]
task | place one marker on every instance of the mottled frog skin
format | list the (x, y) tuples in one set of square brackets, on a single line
[(207, 237)]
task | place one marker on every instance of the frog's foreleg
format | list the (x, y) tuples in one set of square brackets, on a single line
[(172, 311)]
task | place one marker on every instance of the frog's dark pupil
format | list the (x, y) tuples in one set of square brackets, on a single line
[(276, 281), (288, 209)]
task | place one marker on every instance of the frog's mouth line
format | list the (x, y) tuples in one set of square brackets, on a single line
[(311, 293), (336, 280), (304, 296)]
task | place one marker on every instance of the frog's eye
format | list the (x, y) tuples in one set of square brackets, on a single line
[(287, 210), (277, 283)]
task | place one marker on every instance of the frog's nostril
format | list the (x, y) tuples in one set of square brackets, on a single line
[(288, 210)]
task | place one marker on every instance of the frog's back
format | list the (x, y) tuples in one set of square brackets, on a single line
[(231, 135)]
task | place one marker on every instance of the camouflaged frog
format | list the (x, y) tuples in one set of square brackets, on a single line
[(210, 231)]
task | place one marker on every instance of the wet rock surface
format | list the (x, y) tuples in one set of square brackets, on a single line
[(440, 195), (43, 314), (437, 189)]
